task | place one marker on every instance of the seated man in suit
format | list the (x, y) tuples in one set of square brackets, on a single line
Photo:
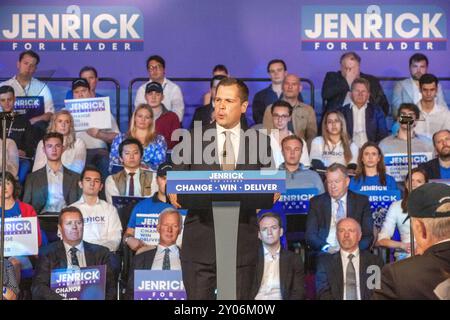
[(52, 187), (70, 252), (328, 208), (132, 180), (279, 272), (439, 167), (166, 256), (344, 274)]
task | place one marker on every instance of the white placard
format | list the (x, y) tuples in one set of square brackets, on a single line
[(21, 237), (146, 228), (397, 163), (90, 113)]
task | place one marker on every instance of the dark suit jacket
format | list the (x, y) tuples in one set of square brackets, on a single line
[(198, 234), (376, 128), (319, 219), (54, 256), (36, 188), (139, 262), (330, 276), (432, 168), (203, 114), (415, 278), (292, 277), (335, 88)]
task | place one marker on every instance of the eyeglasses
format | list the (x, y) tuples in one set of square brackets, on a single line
[(279, 116)]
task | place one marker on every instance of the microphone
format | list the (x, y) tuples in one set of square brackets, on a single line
[(405, 119)]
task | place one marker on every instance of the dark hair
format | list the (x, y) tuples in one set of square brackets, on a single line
[(129, 141), (271, 62), (32, 54), (157, 58), (90, 168), (404, 203), (7, 89), (69, 209), (215, 78), (88, 68), (291, 137), (338, 167), (50, 135), (352, 55), (220, 67), (428, 78), (411, 107), (363, 81), (271, 215), (243, 89), (418, 57), (281, 103), (15, 183), (437, 132), (361, 169)]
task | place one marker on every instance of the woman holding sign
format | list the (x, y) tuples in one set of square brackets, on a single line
[(142, 128), (397, 217), (74, 155)]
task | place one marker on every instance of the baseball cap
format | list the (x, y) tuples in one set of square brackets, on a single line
[(163, 168), (153, 86), (80, 82), (424, 201)]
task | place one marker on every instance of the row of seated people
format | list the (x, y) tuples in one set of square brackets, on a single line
[(51, 188)]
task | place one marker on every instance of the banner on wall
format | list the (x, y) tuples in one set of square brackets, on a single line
[(373, 28), (71, 28)]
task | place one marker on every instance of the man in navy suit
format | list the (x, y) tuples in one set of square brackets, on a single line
[(346, 275), (72, 252), (328, 208)]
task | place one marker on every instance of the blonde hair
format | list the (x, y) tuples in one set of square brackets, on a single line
[(151, 135), (69, 140), (344, 137)]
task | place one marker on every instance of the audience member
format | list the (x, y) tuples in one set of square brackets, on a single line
[(70, 252), (439, 167), (218, 70), (173, 97), (12, 156), (90, 74), (10, 284), (336, 85), (397, 218), (74, 153), (365, 121), (279, 272), (332, 282)]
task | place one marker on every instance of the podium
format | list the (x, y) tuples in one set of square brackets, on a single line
[(226, 193)]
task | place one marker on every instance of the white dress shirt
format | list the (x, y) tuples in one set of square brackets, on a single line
[(235, 140), (173, 97), (73, 159), (55, 197), (345, 261), (174, 256), (112, 190), (80, 255), (270, 284), (331, 239), (435, 120), (94, 143), (359, 124), (34, 88), (101, 223)]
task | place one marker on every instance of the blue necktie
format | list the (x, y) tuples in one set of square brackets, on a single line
[(166, 260), (340, 214)]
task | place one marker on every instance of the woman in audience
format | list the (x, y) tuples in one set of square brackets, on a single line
[(370, 173), (10, 285), (334, 145), (142, 127), (397, 217), (14, 208), (74, 154), (12, 156)]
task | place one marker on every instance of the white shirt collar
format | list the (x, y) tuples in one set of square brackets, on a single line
[(353, 106), (50, 170), (80, 246), (173, 248), (83, 200), (267, 253), (345, 254), (137, 172), (235, 130), (343, 198)]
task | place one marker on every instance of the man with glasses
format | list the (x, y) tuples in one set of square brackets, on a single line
[(173, 97)]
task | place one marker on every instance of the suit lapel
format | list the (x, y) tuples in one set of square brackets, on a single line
[(89, 254), (61, 255), (44, 182), (350, 204), (350, 120), (259, 270), (327, 208), (337, 266), (66, 183), (369, 117), (284, 276), (362, 275)]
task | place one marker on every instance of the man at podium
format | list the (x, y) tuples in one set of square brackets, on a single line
[(234, 147)]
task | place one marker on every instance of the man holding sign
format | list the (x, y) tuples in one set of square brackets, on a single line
[(70, 252)]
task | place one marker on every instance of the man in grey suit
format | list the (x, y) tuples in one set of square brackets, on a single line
[(408, 90), (52, 187)]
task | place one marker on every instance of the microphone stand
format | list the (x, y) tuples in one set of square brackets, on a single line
[(3, 117), (409, 121)]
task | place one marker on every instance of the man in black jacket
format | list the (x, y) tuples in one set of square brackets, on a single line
[(439, 168), (336, 85), (72, 252)]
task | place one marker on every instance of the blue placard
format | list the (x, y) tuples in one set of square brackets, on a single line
[(121, 202), (251, 181), (158, 285), (79, 283), (397, 163), (295, 201), (34, 106)]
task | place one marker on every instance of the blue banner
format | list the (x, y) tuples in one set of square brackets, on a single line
[(295, 201), (158, 285), (34, 106), (252, 181), (79, 283)]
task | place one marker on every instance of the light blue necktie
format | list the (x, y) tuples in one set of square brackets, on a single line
[(340, 214)]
